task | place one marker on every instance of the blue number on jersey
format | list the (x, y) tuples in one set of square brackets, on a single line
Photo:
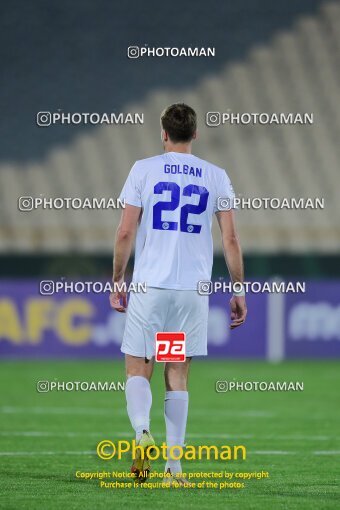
[(192, 208), (186, 209), (165, 206)]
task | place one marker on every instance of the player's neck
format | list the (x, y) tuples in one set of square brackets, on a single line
[(183, 148)]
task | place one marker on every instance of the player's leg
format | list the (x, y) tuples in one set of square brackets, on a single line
[(138, 392), (145, 316), (176, 409), (138, 347), (188, 313), (139, 400)]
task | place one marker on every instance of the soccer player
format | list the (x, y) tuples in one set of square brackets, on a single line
[(170, 202)]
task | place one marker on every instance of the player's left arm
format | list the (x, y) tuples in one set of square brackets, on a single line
[(234, 260), (125, 236)]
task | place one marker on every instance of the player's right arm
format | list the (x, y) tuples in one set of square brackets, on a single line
[(125, 235), (234, 260)]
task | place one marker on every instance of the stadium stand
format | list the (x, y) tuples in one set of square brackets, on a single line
[(296, 71)]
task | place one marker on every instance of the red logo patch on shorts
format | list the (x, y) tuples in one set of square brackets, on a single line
[(170, 346)]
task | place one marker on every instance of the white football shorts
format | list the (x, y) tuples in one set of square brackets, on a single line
[(165, 310)]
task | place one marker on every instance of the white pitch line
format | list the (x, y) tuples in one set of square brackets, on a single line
[(125, 433), (56, 410), (271, 452), (327, 452), (245, 414), (116, 434), (34, 433), (24, 454), (112, 411), (266, 438), (52, 434), (256, 452), (303, 438)]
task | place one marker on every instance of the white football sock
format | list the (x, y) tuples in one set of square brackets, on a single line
[(138, 400), (176, 414)]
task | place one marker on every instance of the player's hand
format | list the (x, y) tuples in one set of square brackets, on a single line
[(238, 311), (118, 300)]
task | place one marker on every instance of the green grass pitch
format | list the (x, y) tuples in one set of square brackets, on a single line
[(46, 437)]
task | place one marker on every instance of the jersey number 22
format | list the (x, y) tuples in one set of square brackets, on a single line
[(173, 203)]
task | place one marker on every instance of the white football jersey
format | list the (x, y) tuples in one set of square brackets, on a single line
[(178, 194)]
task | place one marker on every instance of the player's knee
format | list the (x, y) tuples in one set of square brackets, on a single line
[(138, 373), (138, 367), (175, 376)]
